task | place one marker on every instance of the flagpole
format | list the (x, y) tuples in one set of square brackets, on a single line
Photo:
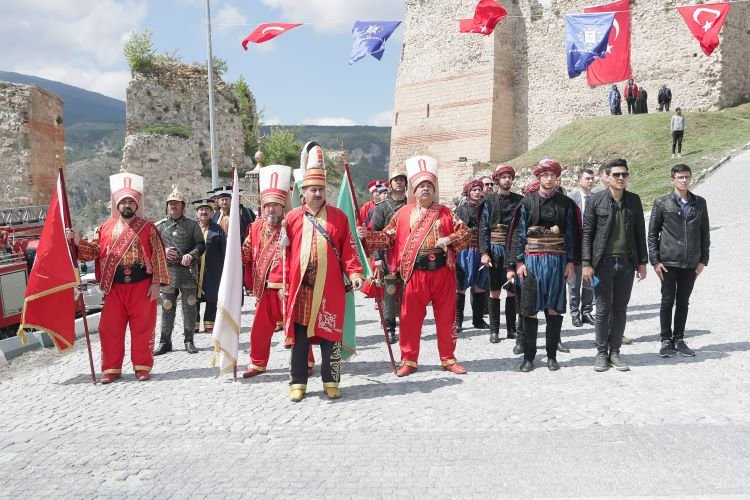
[(352, 190), (211, 110), (74, 259)]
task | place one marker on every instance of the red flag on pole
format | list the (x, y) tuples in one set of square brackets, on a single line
[(615, 66), (267, 31), (50, 296), (705, 22), (487, 15)]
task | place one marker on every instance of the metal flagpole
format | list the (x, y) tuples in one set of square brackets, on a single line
[(211, 110)]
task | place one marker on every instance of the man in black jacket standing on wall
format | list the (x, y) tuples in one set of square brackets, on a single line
[(614, 248), (678, 243)]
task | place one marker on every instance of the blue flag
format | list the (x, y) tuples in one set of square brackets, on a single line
[(369, 38), (586, 37)]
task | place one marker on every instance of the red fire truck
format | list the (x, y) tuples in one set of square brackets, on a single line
[(20, 229)]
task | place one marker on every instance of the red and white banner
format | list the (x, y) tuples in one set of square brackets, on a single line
[(267, 31), (50, 293), (615, 66), (487, 15), (705, 22)]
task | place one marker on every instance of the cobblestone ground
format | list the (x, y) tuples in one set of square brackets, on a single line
[(674, 427)]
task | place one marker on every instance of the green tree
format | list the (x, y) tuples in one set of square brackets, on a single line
[(139, 51), (248, 115), (281, 147)]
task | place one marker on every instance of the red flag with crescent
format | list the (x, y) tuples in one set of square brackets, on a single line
[(705, 22), (487, 15), (267, 31), (615, 66)]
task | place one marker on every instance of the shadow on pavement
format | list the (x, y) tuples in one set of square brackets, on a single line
[(398, 387), (656, 338)]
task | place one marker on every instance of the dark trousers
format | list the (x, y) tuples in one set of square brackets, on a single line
[(612, 297), (631, 106), (677, 140), (330, 352), (677, 284), (581, 297)]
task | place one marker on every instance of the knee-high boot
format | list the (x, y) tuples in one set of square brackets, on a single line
[(510, 316), (552, 334), (530, 331), (494, 320), (518, 348), (477, 308), (460, 303)]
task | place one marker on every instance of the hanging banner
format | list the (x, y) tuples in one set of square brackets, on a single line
[(615, 65)]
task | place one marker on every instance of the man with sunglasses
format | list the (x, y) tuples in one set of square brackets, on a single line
[(678, 244), (614, 248)]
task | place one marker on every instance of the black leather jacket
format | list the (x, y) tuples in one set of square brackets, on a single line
[(597, 226), (674, 240)]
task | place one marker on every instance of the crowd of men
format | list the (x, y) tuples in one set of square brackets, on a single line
[(540, 248)]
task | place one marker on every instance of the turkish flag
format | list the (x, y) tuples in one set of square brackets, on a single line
[(615, 66), (487, 15), (267, 31), (50, 302), (705, 22)]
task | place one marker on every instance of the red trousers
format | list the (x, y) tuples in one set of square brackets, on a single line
[(128, 304), (267, 315), (438, 287)]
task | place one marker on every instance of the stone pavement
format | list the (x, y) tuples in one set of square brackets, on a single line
[(675, 427)]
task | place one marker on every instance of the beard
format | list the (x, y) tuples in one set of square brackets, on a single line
[(127, 212)]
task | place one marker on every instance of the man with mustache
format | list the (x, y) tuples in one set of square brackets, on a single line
[(130, 266), (210, 265)]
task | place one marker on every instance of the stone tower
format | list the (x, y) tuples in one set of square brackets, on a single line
[(470, 100), (32, 142)]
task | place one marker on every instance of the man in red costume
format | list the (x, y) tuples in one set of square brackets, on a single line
[(425, 237), (374, 189), (321, 255), (131, 265), (261, 256)]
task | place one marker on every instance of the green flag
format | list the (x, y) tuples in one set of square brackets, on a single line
[(345, 203), (296, 189)]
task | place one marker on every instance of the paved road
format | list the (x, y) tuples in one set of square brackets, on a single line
[(675, 427)]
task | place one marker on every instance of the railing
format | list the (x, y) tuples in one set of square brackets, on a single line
[(23, 215)]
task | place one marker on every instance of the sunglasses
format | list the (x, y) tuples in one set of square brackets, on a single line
[(489, 184), (620, 175)]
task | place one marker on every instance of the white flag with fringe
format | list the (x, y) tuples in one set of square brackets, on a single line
[(226, 333)]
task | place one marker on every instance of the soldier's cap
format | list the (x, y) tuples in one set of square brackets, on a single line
[(222, 191), (203, 202)]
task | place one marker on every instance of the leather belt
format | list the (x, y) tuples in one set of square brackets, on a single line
[(430, 260), (130, 274)]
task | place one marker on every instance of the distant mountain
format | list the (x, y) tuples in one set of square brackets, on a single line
[(369, 147), (81, 106)]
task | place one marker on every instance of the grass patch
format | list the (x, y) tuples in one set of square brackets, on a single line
[(646, 142), (173, 130)]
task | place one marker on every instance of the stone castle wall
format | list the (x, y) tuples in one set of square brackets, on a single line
[(489, 99), (177, 94), (31, 144)]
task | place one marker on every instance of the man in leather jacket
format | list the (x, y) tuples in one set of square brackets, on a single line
[(678, 244), (614, 248)]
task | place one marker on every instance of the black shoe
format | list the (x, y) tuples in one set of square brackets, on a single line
[(552, 365), (588, 318), (190, 347), (392, 337), (481, 324), (618, 363), (162, 349), (512, 334), (563, 348), (681, 347), (667, 349), (527, 366), (494, 337), (576, 320), (518, 349)]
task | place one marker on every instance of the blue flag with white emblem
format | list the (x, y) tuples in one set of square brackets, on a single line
[(586, 37), (370, 37)]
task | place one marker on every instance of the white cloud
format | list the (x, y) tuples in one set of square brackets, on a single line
[(382, 119), (74, 41), (272, 121), (337, 15), (229, 18), (329, 121)]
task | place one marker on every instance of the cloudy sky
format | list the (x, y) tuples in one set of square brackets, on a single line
[(300, 77)]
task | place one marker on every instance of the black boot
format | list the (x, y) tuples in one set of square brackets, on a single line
[(518, 348), (477, 310), (530, 331), (392, 337), (510, 316), (189, 346), (163, 348), (494, 320), (554, 324), (460, 303)]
